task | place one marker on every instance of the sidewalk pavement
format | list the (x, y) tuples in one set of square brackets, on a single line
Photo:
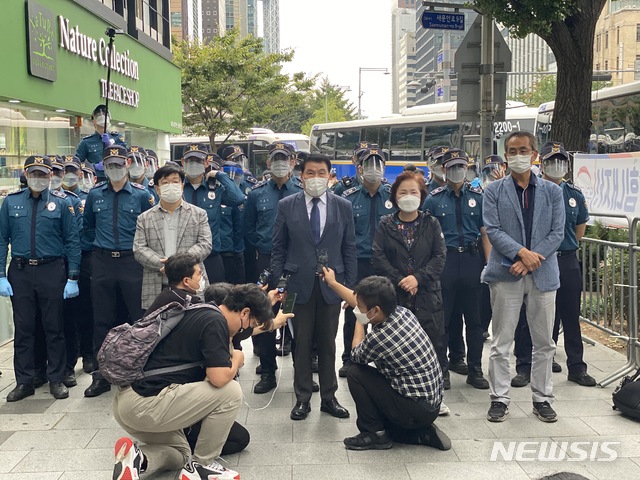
[(46, 439)]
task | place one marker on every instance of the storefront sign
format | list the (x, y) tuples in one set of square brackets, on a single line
[(41, 43), (120, 94)]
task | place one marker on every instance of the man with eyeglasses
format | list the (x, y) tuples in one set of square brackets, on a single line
[(524, 217)]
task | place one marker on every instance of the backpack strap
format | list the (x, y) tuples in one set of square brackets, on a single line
[(176, 368)]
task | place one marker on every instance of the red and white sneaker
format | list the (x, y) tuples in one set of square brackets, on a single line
[(129, 460), (214, 471)]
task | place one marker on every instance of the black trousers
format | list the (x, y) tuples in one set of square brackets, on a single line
[(215, 268), (237, 440), (78, 318), (457, 349), (112, 277), (461, 286), (567, 312), (233, 264), (485, 307), (315, 321), (266, 342), (250, 259), (38, 298), (380, 407), (365, 269)]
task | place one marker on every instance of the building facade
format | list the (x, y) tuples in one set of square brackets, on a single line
[(271, 16), (213, 16), (406, 70), (186, 21), (241, 14), (402, 23), (528, 56)]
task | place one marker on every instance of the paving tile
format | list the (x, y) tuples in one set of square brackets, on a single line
[(72, 460), (620, 469), (31, 421), (274, 433), (613, 425), (401, 454), (570, 408), (5, 435), (49, 440), (8, 460), (478, 411), (103, 475), (328, 432), (279, 400), (275, 416), (320, 472), (272, 472), (537, 470), (532, 427), (318, 453), (623, 445), (465, 471), (82, 405), (481, 450), (76, 420), (31, 406), (456, 428), (31, 476)]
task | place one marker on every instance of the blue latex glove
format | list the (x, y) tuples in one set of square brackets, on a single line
[(107, 140), (71, 289), (5, 287), (99, 167)]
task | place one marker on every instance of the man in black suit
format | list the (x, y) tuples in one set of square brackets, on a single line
[(314, 229)]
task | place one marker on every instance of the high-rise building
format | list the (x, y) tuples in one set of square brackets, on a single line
[(402, 23), (241, 14), (186, 23), (406, 69), (271, 18), (213, 19)]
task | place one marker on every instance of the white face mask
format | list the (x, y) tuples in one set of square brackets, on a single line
[(150, 171), (193, 169), (56, 182), (361, 317), (315, 186), (438, 171), (372, 174), (471, 174), (87, 183), (556, 169), (115, 172), (99, 119), (456, 174), (519, 163), (171, 192), (70, 180), (280, 168), (136, 171), (37, 184), (408, 203)]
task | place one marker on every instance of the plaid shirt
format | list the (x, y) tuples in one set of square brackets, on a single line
[(403, 353)]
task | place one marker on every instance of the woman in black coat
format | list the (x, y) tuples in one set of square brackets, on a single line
[(409, 249)]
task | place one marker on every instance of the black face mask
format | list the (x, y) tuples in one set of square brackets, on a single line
[(243, 334)]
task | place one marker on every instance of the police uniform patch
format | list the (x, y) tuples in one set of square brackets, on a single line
[(388, 205), (51, 206), (572, 202), (247, 190), (58, 193), (152, 200), (138, 186), (264, 182), (472, 202), (211, 195), (438, 190), (348, 192), (73, 212)]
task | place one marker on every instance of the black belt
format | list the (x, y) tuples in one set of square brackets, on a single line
[(562, 253), (114, 253), (34, 262), (466, 249)]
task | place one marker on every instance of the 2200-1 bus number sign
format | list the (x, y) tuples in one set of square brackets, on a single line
[(500, 128)]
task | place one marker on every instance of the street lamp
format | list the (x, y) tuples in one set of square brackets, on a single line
[(344, 88), (366, 69)]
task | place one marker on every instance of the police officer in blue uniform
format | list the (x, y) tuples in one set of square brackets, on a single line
[(138, 168), (458, 208), (209, 191), (260, 214), (472, 173), (436, 170), (349, 182), (152, 167), (88, 180), (555, 165), (41, 226), (90, 147), (110, 214), (370, 202), (232, 230)]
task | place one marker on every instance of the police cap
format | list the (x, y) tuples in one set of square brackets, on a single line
[(57, 162), (454, 156), (230, 152), (41, 163), (88, 167), (115, 154), (282, 148), (495, 159), (214, 161), (370, 153), (196, 150), (438, 153), (72, 161), (553, 149), (152, 155), (137, 152)]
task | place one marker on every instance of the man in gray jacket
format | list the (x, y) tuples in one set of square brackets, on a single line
[(524, 217)]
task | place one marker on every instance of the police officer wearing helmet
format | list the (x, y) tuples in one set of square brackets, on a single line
[(494, 168), (209, 191), (370, 202), (349, 182), (260, 214), (555, 165), (90, 147), (232, 230), (40, 224), (152, 164), (472, 173), (434, 162), (458, 207), (88, 180), (110, 215)]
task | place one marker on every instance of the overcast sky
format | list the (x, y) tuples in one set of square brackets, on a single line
[(335, 38)]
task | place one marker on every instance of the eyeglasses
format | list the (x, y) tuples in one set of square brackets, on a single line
[(522, 151)]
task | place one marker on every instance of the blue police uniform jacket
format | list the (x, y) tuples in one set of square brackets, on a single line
[(340, 187), (90, 148), (432, 185), (260, 211), (441, 203), (576, 211), (148, 184), (82, 194), (103, 207), (365, 223), (56, 232), (210, 198), (232, 229)]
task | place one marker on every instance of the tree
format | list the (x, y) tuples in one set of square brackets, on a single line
[(568, 27), (544, 90), (228, 84), (293, 105)]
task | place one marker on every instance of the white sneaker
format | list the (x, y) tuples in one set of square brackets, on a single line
[(444, 410), (129, 460), (215, 471)]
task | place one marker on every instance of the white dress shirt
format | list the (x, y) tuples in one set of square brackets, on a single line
[(322, 206)]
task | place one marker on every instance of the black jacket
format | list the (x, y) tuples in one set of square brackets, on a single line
[(427, 255)]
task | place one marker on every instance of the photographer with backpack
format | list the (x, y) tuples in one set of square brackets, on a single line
[(155, 409)]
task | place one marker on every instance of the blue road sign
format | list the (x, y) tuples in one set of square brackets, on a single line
[(443, 20), (440, 92)]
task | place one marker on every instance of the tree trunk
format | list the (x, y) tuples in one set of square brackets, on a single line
[(572, 43)]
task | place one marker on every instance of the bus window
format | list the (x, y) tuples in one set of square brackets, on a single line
[(176, 153), (325, 142), (258, 162), (376, 135), (406, 144), (345, 143), (436, 135)]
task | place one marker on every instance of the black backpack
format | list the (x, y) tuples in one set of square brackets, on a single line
[(126, 348), (626, 397)]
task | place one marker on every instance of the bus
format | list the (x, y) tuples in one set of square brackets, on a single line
[(408, 136), (615, 125), (254, 145)]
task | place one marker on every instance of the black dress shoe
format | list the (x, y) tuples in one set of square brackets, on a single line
[(314, 364), (556, 367), (89, 365), (266, 384), (39, 380), (98, 387), (477, 380), (259, 369), (521, 380), (459, 366), (58, 390), (344, 369), (582, 378), (300, 411), (446, 381), (70, 380), (333, 408), (22, 390), (314, 386)]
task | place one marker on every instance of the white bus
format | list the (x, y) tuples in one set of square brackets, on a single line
[(254, 145), (407, 137), (615, 124)]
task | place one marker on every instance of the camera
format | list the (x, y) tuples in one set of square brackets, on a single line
[(323, 260), (283, 283), (265, 277)]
